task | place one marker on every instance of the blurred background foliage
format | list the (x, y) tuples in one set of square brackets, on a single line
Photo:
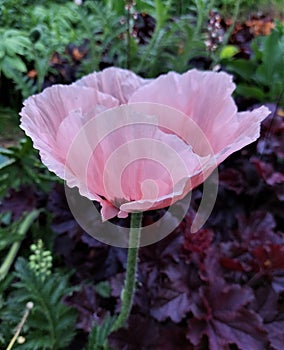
[(150, 37)]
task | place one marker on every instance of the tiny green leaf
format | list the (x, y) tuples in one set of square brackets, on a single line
[(228, 51)]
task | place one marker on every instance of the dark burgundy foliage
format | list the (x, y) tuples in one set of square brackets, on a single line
[(86, 301), (22, 201), (144, 333)]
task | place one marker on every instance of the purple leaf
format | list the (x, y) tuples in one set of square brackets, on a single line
[(142, 333), (276, 334), (173, 306), (19, 201), (225, 319)]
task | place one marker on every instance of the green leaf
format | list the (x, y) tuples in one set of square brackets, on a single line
[(228, 51), (244, 68), (103, 289), (2, 51), (250, 92), (262, 77), (10, 234), (23, 167), (272, 54), (13, 63), (98, 336), (5, 161)]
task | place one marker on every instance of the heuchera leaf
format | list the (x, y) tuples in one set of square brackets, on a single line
[(18, 202), (145, 334), (85, 301), (270, 257), (267, 172), (275, 333), (142, 333), (224, 319)]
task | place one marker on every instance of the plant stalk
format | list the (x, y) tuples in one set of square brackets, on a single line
[(228, 34), (20, 326), (128, 37), (232, 26), (131, 271), (10, 257)]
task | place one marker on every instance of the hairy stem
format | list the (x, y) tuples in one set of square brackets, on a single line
[(131, 270)]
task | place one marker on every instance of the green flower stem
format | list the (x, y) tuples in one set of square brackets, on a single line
[(131, 270), (10, 257)]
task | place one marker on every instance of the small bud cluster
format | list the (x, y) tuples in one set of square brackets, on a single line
[(40, 261), (140, 25), (129, 4), (132, 16), (215, 32)]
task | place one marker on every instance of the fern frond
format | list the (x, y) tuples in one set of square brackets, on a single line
[(51, 323)]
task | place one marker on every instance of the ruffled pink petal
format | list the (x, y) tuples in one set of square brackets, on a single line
[(53, 118), (108, 211), (117, 82), (179, 191), (248, 131), (203, 96), (47, 109)]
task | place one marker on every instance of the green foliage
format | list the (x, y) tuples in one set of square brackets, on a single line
[(10, 233), (104, 30), (51, 21), (98, 337), (201, 9), (21, 166), (175, 41), (11, 10), (103, 289), (170, 48), (11, 236), (39, 33), (13, 44), (107, 28), (262, 77), (41, 24), (51, 323), (24, 84)]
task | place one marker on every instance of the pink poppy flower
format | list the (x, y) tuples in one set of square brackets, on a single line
[(136, 144)]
